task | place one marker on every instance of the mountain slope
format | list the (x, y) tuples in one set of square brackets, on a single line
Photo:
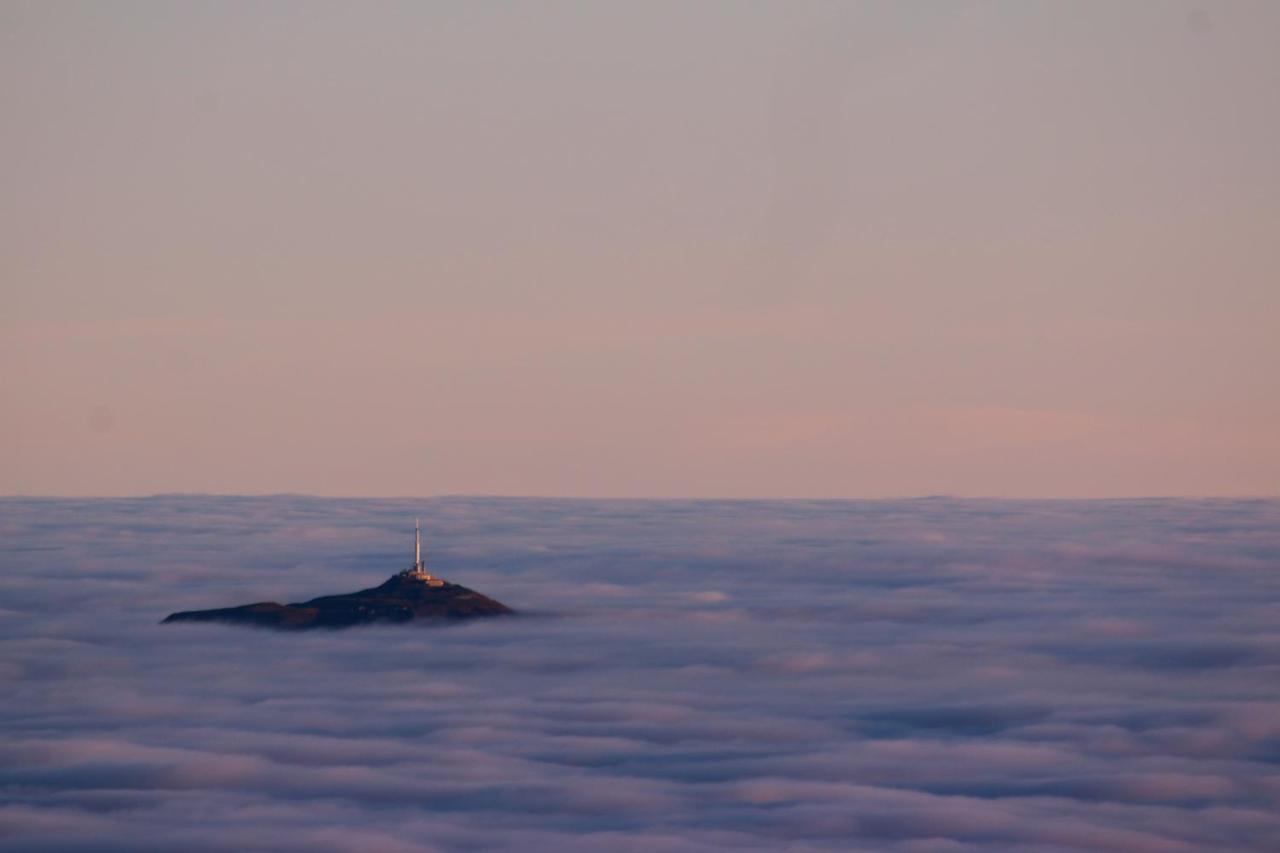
[(402, 598)]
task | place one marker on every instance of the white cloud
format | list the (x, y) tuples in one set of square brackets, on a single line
[(914, 675)]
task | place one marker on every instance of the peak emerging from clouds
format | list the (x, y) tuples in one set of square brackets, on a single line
[(401, 599)]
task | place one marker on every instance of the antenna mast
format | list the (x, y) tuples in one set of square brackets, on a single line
[(417, 544)]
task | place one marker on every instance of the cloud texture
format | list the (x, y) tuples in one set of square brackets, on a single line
[(929, 675)]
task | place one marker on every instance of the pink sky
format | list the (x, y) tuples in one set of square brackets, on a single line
[(642, 249)]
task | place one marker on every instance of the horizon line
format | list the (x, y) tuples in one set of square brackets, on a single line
[(641, 498)]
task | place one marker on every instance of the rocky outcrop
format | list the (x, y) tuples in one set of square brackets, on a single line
[(403, 598)]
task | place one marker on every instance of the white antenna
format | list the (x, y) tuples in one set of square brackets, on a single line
[(419, 569), (417, 544)]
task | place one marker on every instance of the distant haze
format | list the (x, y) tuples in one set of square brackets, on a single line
[(653, 248)]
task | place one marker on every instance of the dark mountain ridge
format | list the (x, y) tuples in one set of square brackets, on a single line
[(408, 596)]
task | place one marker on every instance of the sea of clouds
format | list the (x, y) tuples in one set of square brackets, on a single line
[(921, 675)]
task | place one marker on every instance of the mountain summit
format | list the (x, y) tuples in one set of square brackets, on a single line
[(403, 598), (413, 595)]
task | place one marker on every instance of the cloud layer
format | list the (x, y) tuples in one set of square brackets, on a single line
[(928, 675)]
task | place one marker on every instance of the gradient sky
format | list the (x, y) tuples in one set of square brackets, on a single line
[(641, 249)]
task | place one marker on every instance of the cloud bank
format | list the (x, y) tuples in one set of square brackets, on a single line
[(928, 675)]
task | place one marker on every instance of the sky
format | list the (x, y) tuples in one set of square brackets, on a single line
[(918, 676), (715, 249)]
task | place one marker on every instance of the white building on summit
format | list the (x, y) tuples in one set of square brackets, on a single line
[(419, 569)]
